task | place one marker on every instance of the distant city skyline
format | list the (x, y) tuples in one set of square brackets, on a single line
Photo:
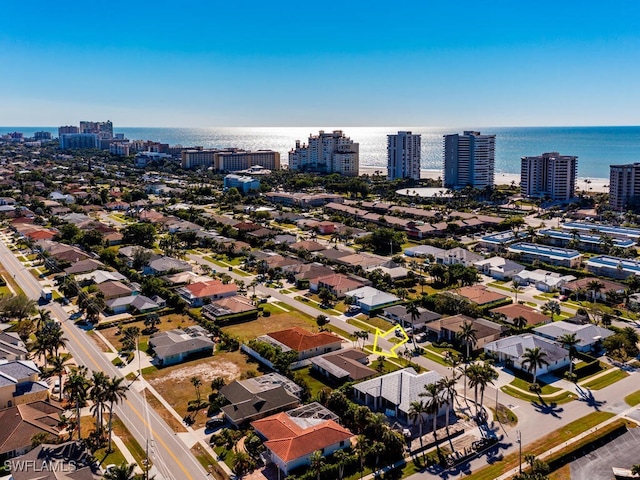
[(209, 64)]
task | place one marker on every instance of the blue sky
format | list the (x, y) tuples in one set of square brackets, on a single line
[(287, 63)]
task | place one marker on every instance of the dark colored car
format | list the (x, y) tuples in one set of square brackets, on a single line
[(214, 422)]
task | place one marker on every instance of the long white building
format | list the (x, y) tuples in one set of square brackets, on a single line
[(624, 186), (469, 160), (549, 175), (327, 153), (403, 156)]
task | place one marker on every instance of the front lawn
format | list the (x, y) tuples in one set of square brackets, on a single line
[(633, 399), (277, 320), (605, 380), (524, 385), (562, 397)]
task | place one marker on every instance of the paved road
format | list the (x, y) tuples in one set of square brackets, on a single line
[(171, 458)]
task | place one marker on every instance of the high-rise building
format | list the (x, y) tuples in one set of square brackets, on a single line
[(42, 135), (549, 175), (403, 156), (236, 160), (102, 129), (327, 153), (73, 141), (231, 160), (469, 160), (624, 186), (67, 129)]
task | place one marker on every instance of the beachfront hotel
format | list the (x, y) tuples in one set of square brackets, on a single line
[(230, 160), (403, 156), (327, 153), (469, 160), (549, 175), (624, 186)]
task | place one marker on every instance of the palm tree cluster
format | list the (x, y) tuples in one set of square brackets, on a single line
[(49, 337), (104, 392)]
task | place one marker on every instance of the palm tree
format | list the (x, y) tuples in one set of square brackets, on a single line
[(123, 471), (569, 341), (58, 367), (516, 287), (448, 387), (519, 323), (416, 411), (197, 383), (316, 461), (434, 400), (467, 335), (635, 469), (414, 311), (595, 286), (340, 458), (99, 382), (114, 392), (43, 317), (532, 359), (241, 463), (489, 374), (474, 373), (77, 387), (377, 449), (361, 449), (552, 307)]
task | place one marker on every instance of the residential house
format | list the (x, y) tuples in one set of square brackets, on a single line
[(398, 314), (589, 336), (64, 461), (19, 383), (515, 310), (99, 276), (458, 255), (510, 350), (197, 294), (20, 423), (166, 265), (370, 299), (394, 392), (583, 284), (135, 303), (229, 306), (480, 295), (258, 397), (12, 347), (543, 280), (114, 289), (422, 251), (337, 283), (343, 366), (448, 328), (308, 245), (306, 343), (290, 440), (175, 346), (498, 268), (302, 273)]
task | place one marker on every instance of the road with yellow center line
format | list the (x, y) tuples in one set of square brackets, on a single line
[(171, 456)]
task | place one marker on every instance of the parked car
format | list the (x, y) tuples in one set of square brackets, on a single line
[(214, 422), (421, 337), (56, 386)]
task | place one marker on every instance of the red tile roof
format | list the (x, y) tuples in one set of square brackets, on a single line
[(289, 441), (210, 288), (301, 340)]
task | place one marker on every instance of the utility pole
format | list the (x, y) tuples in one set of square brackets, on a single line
[(519, 440)]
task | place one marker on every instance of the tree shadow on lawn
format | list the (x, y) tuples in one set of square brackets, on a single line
[(547, 408), (586, 395)]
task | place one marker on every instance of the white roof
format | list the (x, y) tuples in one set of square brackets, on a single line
[(586, 334), (101, 276), (372, 296), (516, 345), (549, 278), (400, 387)]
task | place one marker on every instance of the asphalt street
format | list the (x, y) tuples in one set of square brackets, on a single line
[(171, 458)]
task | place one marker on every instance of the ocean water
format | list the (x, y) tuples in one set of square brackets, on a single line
[(596, 147)]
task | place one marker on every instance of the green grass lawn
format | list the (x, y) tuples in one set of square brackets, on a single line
[(435, 358), (524, 385), (605, 380), (562, 397), (633, 399), (501, 287), (441, 350), (361, 325)]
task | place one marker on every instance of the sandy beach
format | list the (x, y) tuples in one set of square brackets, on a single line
[(600, 185)]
